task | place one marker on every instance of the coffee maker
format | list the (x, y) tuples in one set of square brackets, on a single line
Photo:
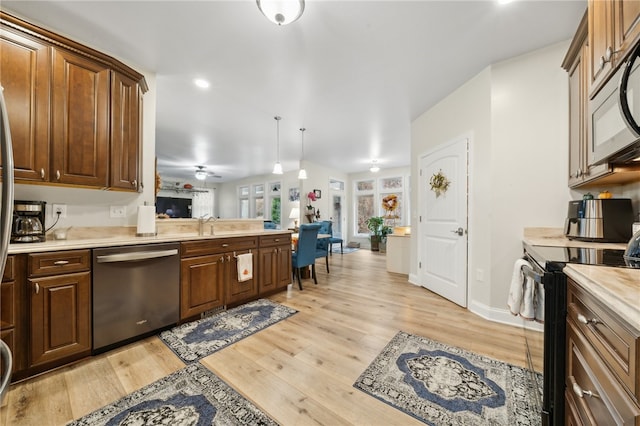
[(28, 222)]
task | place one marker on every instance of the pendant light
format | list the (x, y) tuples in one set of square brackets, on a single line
[(277, 168), (281, 12), (374, 166), (302, 174)]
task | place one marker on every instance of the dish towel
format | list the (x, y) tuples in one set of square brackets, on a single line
[(526, 297), (245, 266)]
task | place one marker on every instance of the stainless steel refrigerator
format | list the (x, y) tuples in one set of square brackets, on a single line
[(6, 217)]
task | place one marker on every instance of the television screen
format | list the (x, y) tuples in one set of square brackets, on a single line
[(174, 207)]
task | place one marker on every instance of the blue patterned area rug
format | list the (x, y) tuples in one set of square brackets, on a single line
[(195, 340), (191, 396), (444, 385)]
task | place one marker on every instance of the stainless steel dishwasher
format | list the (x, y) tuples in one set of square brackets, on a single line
[(136, 291)]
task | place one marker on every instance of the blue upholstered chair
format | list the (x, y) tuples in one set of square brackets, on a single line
[(270, 225), (305, 253), (334, 240), (323, 248)]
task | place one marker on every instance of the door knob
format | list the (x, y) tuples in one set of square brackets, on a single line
[(458, 231)]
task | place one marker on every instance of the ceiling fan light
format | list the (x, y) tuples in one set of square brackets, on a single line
[(281, 12), (302, 174), (277, 169), (201, 174)]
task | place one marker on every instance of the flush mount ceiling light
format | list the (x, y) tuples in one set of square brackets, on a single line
[(277, 168), (374, 166), (281, 12), (302, 174), (201, 173), (201, 83)]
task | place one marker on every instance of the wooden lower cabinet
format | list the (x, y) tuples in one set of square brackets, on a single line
[(240, 291), (201, 284), (60, 317), (275, 268), (602, 363)]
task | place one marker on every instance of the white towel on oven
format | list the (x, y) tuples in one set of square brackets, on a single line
[(516, 290), (527, 307), (245, 267), (539, 301)]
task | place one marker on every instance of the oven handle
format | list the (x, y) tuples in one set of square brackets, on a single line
[(134, 256), (622, 93), (529, 272)]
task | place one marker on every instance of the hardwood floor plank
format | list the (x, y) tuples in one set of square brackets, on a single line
[(301, 370)]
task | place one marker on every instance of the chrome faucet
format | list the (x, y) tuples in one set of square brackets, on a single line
[(201, 221)]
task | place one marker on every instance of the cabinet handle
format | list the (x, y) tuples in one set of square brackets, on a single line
[(228, 258), (222, 259), (61, 262), (37, 288), (57, 174), (581, 393), (42, 173), (225, 245), (584, 320), (134, 183), (277, 240)]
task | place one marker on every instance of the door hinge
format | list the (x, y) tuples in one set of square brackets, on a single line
[(419, 265), (420, 172)]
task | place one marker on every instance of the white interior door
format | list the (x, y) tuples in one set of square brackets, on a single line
[(443, 223)]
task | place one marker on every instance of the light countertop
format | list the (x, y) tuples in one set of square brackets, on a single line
[(618, 288)]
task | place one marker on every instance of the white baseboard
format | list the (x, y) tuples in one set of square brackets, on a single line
[(503, 316), (413, 279)]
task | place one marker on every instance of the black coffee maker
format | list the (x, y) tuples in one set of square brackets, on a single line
[(28, 222)]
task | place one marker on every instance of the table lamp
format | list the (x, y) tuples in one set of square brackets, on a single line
[(295, 214)]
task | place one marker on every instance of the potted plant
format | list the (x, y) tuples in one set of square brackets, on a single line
[(379, 231)]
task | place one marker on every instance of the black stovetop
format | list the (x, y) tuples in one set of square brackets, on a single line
[(581, 255)]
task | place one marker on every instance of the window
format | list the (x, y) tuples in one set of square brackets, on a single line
[(258, 201), (243, 202), (368, 198), (275, 203)]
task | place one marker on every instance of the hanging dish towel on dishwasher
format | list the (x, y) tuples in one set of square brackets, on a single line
[(526, 297), (245, 266)]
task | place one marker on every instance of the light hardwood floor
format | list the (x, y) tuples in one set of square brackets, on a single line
[(300, 371)]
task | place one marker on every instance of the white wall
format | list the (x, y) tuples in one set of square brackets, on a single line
[(90, 207), (515, 113)]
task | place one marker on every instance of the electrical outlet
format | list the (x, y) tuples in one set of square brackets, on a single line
[(479, 275), (59, 208), (118, 211)]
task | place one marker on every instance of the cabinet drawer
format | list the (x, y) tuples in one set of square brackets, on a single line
[(596, 395), (275, 240), (62, 262), (9, 269), (615, 343), (217, 245)]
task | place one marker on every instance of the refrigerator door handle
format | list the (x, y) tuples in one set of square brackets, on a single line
[(6, 151)]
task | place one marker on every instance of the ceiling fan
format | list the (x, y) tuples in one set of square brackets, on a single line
[(201, 173)]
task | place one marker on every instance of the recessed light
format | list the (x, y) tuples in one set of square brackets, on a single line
[(201, 83), (505, 1)]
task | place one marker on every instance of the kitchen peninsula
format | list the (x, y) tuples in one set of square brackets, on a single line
[(50, 284)]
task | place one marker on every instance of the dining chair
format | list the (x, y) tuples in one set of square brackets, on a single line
[(305, 254), (334, 240), (323, 247)]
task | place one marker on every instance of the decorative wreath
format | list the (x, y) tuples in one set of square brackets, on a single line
[(439, 183), (390, 203)]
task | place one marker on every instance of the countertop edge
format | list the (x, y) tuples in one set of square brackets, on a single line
[(54, 245)]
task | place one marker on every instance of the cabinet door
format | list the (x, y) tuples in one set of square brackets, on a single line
[(80, 120), (201, 284), (284, 266), (26, 67), (600, 42), (60, 317), (626, 15), (268, 269), (577, 128), (238, 291), (125, 132)]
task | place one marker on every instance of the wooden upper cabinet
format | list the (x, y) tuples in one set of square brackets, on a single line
[(80, 120), (614, 27), (26, 66), (601, 43), (126, 132), (75, 113), (626, 16)]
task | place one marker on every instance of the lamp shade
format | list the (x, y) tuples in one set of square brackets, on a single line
[(277, 169), (281, 12), (302, 174), (295, 213)]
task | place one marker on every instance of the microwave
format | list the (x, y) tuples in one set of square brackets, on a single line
[(614, 114)]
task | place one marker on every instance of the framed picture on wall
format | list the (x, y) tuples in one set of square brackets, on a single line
[(317, 193), (294, 194)]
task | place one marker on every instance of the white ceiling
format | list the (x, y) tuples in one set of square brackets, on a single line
[(353, 73)]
